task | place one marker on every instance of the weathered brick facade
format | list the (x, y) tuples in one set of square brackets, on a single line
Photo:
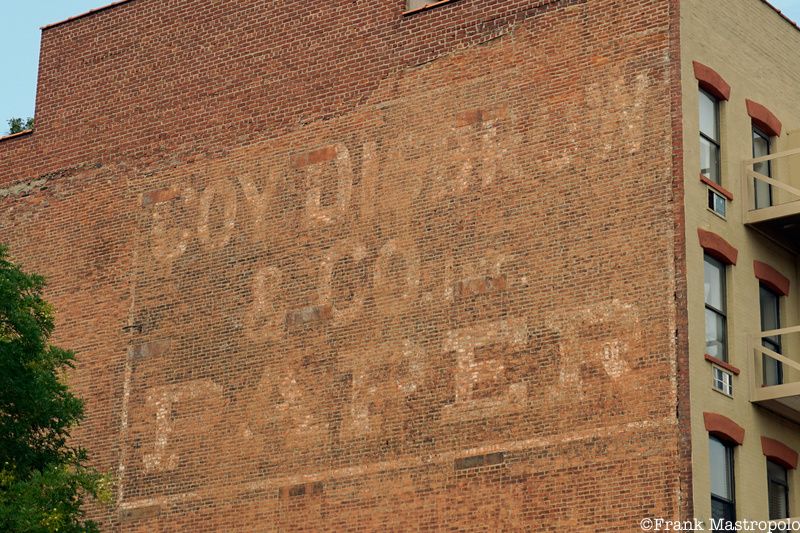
[(329, 267)]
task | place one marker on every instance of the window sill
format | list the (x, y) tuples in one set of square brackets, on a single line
[(722, 364), (719, 188), (427, 7)]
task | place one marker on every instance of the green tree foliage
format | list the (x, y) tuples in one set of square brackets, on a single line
[(16, 125), (44, 479)]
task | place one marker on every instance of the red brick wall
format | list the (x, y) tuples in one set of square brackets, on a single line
[(331, 267)]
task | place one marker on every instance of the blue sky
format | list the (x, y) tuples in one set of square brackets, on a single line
[(19, 46)]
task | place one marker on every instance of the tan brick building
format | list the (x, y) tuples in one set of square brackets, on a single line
[(479, 265)]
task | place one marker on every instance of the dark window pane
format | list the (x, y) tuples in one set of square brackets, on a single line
[(709, 116), (770, 309), (714, 288), (760, 144), (763, 190), (778, 491), (714, 282), (722, 486), (716, 202), (709, 160), (773, 371), (763, 194), (769, 304), (720, 464), (725, 511), (777, 472), (715, 334)]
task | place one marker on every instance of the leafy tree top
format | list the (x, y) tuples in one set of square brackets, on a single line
[(16, 125), (43, 477)]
